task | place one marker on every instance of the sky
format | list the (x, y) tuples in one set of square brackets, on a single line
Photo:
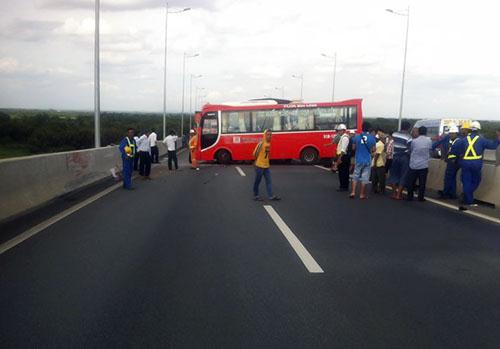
[(250, 49)]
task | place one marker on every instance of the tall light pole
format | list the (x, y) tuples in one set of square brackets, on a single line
[(301, 77), (185, 57), (97, 80), (407, 15), (167, 11), (334, 58), (197, 96), (192, 76), (282, 89)]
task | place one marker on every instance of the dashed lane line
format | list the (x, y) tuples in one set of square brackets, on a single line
[(311, 265), (240, 171)]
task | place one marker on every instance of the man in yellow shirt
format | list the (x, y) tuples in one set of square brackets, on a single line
[(193, 146), (378, 183), (261, 154)]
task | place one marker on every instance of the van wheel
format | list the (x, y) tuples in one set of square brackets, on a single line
[(223, 157), (309, 156)]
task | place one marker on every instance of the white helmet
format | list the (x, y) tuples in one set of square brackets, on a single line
[(341, 127), (192, 131), (453, 129), (475, 125)]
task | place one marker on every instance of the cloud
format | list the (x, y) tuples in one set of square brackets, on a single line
[(30, 30), (121, 5)]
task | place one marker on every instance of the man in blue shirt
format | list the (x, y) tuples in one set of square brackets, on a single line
[(470, 151), (450, 175), (400, 161), (364, 144), (419, 164), (128, 151)]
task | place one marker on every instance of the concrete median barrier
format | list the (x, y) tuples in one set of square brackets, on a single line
[(488, 191), (31, 181)]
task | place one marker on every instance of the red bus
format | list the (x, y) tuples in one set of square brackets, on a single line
[(300, 130)]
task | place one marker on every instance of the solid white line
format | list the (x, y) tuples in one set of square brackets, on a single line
[(240, 171), (456, 208), (323, 167), (306, 258), (38, 228)]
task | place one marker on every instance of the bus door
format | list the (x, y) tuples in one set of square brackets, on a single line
[(209, 129)]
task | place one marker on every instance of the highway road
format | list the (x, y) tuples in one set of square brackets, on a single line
[(189, 260)]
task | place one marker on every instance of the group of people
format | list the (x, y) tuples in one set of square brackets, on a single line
[(402, 160), (138, 153)]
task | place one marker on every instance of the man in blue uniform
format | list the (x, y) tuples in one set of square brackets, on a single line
[(128, 150), (470, 152), (450, 176)]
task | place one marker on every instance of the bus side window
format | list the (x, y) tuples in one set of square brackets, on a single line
[(352, 122)]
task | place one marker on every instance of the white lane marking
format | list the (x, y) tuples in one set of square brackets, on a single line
[(456, 208), (240, 171), (306, 258), (38, 228), (323, 167)]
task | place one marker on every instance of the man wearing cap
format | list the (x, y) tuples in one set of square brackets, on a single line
[(450, 176), (469, 151), (343, 159)]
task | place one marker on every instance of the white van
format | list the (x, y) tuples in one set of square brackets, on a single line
[(438, 127)]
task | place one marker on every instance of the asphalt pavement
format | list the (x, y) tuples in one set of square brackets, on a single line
[(189, 260)]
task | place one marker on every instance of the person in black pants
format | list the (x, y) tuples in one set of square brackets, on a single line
[(171, 142), (155, 154), (144, 164), (419, 164), (343, 162)]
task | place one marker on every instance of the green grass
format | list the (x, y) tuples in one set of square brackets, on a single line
[(13, 151)]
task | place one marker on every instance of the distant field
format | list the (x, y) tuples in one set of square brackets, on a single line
[(13, 151)]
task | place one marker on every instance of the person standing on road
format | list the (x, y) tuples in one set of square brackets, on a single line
[(136, 157), (470, 151), (450, 175), (400, 160), (379, 159), (171, 142), (144, 148), (419, 163), (343, 158), (128, 152), (389, 153), (262, 164), (363, 146), (193, 146), (153, 137)]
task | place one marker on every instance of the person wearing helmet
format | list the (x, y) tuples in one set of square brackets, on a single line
[(128, 152), (343, 161), (450, 176), (193, 146), (469, 151)]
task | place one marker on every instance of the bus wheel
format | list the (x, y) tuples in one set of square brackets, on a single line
[(309, 156), (223, 157)]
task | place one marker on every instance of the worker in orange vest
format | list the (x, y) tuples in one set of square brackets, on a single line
[(193, 146)]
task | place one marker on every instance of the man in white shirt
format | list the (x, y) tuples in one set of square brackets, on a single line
[(153, 137), (171, 142), (343, 158), (144, 151)]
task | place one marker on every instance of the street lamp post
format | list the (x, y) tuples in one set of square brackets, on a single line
[(197, 96), (167, 11), (192, 76), (185, 57), (407, 15), (334, 58), (301, 77), (97, 79)]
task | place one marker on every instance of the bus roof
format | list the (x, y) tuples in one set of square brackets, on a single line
[(276, 104)]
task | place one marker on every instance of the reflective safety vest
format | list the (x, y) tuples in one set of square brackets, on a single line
[(470, 153), (132, 146), (450, 145)]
